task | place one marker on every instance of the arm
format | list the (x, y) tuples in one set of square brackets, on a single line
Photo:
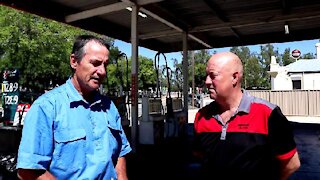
[(121, 169), (31, 174), (36, 145), (289, 166)]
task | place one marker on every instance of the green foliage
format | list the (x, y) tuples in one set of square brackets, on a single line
[(308, 56), (38, 47), (253, 73), (117, 75), (256, 65), (286, 57), (200, 60), (147, 75)]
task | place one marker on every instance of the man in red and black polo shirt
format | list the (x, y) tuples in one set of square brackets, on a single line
[(240, 136)]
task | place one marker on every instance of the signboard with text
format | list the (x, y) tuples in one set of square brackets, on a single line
[(10, 93), (20, 114)]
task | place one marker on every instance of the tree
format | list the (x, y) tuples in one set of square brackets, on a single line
[(286, 57), (117, 74), (200, 60), (147, 75), (244, 54), (266, 52), (308, 56), (253, 72), (177, 83), (38, 47)]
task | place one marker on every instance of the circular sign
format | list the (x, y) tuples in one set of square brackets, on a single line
[(296, 53)]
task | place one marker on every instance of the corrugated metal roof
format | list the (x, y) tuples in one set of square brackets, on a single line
[(305, 65)]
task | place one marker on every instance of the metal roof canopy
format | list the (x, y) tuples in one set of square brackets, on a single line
[(209, 23), (169, 25)]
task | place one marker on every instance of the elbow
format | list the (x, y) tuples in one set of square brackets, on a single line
[(296, 163), (296, 166), (293, 167)]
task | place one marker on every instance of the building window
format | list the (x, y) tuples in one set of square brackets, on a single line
[(296, 84)]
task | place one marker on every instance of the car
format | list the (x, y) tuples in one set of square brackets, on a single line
[(196, 99)]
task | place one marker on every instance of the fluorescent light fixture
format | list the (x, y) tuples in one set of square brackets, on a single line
[(140, 13), (286, 29)]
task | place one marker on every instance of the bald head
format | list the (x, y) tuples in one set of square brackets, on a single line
[(226, 61), (224, 75)]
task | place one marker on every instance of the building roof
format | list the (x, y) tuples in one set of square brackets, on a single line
[(209, 23), (305, 65)]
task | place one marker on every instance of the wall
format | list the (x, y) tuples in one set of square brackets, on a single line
[(293, 103)]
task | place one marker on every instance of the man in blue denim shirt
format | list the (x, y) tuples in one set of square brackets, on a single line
[(73, 132)]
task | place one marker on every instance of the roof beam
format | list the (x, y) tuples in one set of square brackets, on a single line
[(96, 11), (199, 41), (159, 34), (215, 8), (105, 9), (145, 2), (285, 5), (122, 5), (250, 23), (155, 16)]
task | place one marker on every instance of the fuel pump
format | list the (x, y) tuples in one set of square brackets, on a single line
[(171, 123), (157, 68), (178, 77), (151, 127)]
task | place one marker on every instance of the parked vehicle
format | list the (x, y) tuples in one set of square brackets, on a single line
[(196, 100)]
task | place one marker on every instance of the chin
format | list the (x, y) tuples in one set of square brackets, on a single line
[(94, 86), (213, 97)]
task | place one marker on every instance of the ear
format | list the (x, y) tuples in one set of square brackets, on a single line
[(73, 62), (235, 78)]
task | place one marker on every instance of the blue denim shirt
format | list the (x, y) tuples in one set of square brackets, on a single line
[(70, 138)]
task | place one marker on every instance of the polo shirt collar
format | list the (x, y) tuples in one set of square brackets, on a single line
[(245, 102)]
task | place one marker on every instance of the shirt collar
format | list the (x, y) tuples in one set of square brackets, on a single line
[(74, 95), (245, 102)]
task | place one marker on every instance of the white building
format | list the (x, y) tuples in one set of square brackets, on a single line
[(303, 74)]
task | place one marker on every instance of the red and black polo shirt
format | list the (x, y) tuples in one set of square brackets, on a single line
[(249, 144)]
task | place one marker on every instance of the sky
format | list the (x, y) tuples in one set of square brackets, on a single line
[(307, 46)]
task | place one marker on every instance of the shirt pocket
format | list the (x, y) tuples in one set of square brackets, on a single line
[(70, 149)]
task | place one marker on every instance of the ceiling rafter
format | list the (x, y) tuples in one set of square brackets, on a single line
[(285, 5), (256, 21), (159, 34), (221, 15), (106, 9), (159, 18), (170, 17), (251, 23)]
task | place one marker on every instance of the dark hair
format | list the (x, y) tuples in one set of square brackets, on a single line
[(81, 41)]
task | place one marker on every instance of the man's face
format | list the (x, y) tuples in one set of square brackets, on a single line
[(91, 70), (218, 80)]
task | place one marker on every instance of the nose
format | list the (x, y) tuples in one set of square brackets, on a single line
[(101, 71), (208, 81)]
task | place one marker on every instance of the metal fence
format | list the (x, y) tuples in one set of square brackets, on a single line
[(293, 103)]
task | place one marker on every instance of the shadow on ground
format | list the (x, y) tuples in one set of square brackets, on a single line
[(172, 158)]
